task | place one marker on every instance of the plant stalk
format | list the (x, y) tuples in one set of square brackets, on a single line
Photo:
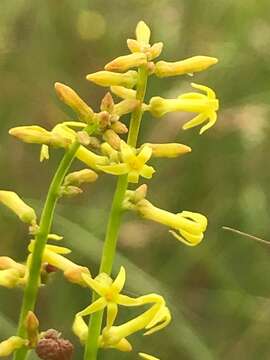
[(31, 289), (115, 217)]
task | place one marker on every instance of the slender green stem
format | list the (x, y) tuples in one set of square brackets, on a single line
[(31, 289), (113, 227)]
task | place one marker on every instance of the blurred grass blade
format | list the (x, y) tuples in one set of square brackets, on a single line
[(7, 327)]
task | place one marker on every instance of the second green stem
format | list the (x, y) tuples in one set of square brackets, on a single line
[(115, 218)]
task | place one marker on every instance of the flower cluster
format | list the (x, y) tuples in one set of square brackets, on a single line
[(97, 139)]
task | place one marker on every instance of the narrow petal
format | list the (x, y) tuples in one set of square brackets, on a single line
[(58, 249), (120, 280), (98, 305), (127, 152), (133, 176), (95, 285), (197, 120), (195, 239), (212, 122), (145, 154), (116, 169), (112, 310), (147, 172), (210, 93)]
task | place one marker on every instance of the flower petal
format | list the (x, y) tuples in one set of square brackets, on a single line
[(120, 280), (95, 285), (98, 305), (116, 169), (112, 310)]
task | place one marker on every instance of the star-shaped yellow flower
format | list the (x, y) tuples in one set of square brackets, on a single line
[(132, 163)]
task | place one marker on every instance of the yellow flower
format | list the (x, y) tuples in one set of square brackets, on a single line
[(132, 164), (154, 319), (54, 255), (204, 104), (190, 225)]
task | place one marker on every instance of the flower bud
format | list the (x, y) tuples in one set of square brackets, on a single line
[(37, 135), (8, 263), (70, 191), (74, 274), (154, 51), (79, 177), (143, 33), (126, 62), (119, 127), (72, 99), (11, 200), (112, 138), (83, 138), (9, 278), (31, 325), (104, 120), (126, 106), (187, 66), (123, 92), (107, 103), (13, 343), (109, 78), (134, 46), (171, 150)]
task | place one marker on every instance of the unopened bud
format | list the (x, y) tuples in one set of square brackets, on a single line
[(11, 200), (140, 193), (37, 135), (154, 51), (143, 33), (72, 99), (112, 138), (9, 278), (94, 142), (31, 325), (107, 103), (70, 191), (74, 275), (104, 120), (8, 346), (83, 138), (126, 106), (109, 78), (187, 66), (119, 127), (134, 46), (8, 263), (79, 177), (168, 150), (124, 63), (123, 92)]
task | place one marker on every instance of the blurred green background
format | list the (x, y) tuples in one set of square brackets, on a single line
[(218, 291)]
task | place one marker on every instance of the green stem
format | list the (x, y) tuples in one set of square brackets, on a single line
[(115, 217), (31, 289)]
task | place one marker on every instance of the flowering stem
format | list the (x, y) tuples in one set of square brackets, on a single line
[(115, 217), (31, 289)]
